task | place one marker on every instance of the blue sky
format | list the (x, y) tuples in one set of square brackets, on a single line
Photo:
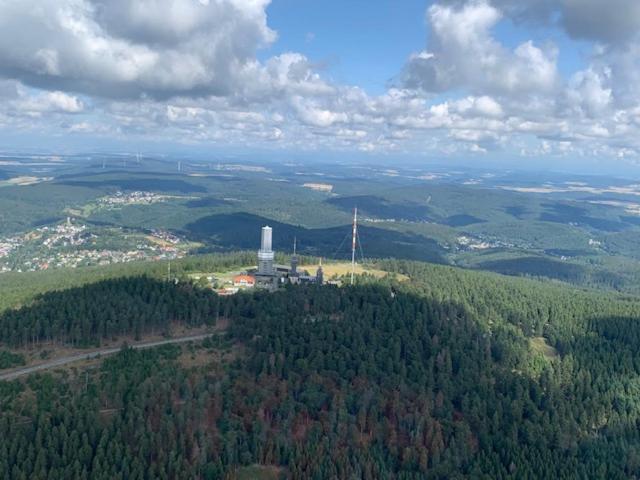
[(518, 82), (368, 42), (359, 49)]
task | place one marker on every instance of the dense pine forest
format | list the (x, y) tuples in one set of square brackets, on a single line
[(452, 374), (105, 310)]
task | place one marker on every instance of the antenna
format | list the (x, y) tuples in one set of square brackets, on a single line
[(295, 240), (353, 243)]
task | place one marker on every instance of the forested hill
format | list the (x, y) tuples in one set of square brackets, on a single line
[(459, 375), (108, 309)]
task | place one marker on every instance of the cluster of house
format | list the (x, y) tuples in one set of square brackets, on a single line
[(120, 199)]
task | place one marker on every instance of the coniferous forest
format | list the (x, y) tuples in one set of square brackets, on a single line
[(452, 374)]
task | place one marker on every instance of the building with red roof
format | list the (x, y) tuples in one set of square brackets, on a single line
[(246, 281)]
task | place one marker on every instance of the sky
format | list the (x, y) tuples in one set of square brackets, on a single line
[(516, 82)]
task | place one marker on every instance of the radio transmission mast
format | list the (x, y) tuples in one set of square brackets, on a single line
[(353, 243)]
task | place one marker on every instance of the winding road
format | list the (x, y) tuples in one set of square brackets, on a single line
[(58, 362)]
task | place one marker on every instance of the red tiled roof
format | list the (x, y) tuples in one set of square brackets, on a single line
[(244, 278)]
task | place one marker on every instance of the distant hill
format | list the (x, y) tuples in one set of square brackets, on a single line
[(242, 230), (377, 207)]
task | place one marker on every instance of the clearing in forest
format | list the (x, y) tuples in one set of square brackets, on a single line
[(344, 269), (259, 472), (540, 345)]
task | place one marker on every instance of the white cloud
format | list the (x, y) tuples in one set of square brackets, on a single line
[(483, 106), (187, 71), (312, 114), (588, 91), (45, 102), (118, 48), (464, 54), (60, 101)]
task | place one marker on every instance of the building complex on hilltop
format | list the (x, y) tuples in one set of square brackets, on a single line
[(270, 276)]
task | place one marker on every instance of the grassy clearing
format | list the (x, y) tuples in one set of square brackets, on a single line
[(344, 268), (540, 345), (258, 472), (221, 278)]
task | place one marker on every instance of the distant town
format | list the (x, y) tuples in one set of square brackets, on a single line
[(120, 199), (72, 244)]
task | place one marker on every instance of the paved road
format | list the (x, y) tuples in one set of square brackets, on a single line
[(13, 374)]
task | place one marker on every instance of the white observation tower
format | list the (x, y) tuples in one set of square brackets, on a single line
[(265, 254)]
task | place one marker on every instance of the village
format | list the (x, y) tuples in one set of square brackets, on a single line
[(121, 199), (71, 244)]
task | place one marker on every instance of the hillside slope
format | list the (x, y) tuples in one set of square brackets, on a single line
[(454, 374)]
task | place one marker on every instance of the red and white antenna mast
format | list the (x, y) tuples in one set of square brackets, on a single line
[(353, 243)]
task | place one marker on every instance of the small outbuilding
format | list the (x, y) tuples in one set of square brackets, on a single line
[(245, 281)]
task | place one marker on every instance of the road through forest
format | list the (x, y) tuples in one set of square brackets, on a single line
[(58, 362)]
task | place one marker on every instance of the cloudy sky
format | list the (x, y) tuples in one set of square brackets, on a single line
[(523, 80)]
